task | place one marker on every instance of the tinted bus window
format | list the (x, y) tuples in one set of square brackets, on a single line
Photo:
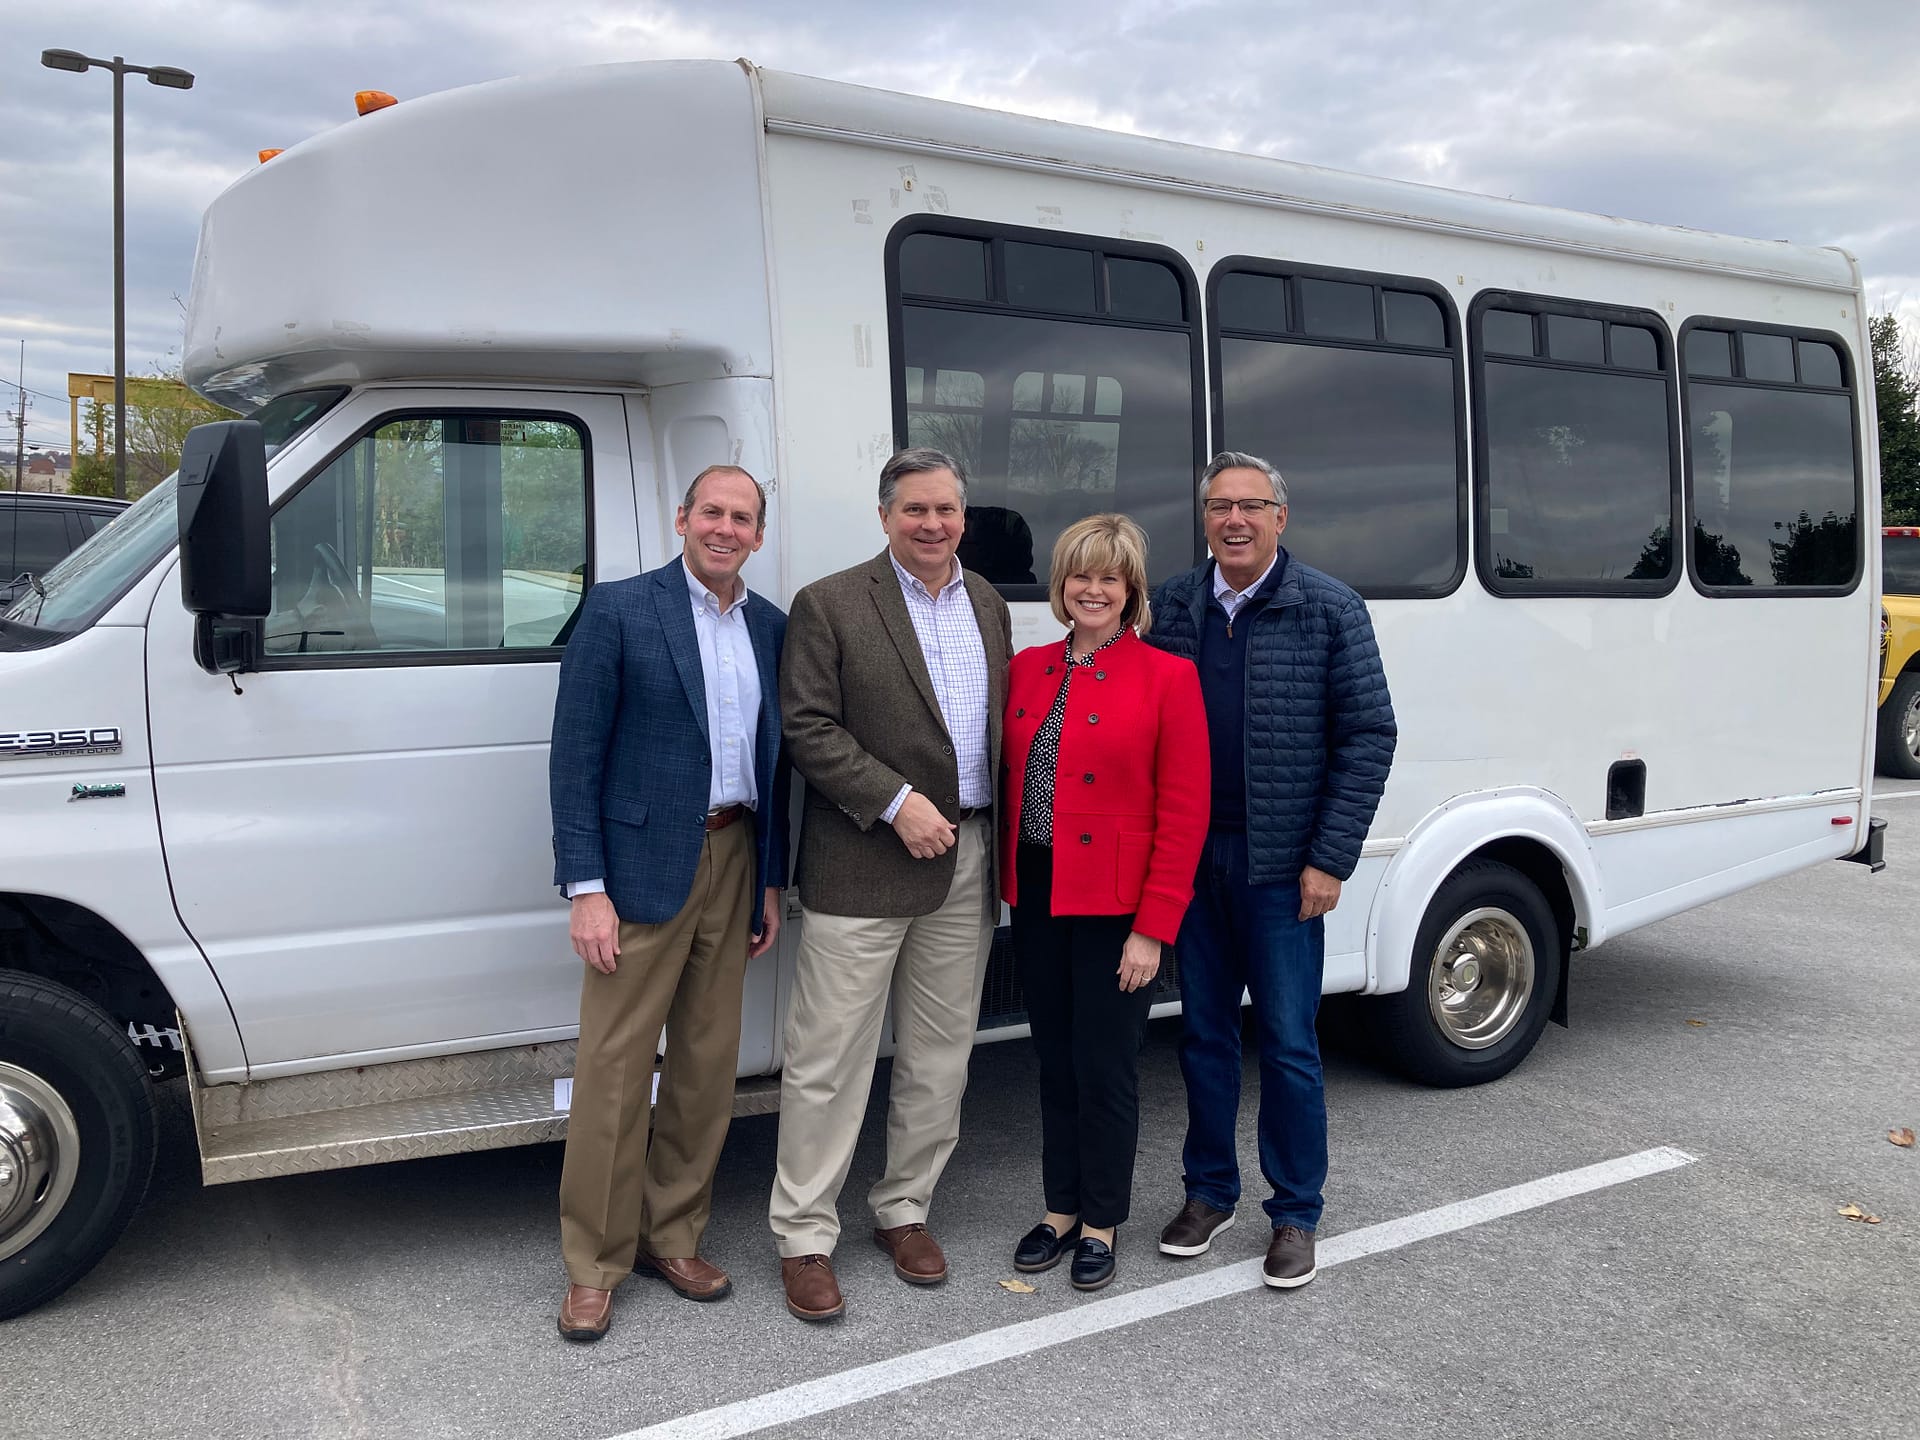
[(1065, 388), (1773, 472), (1358, 403), (1577, 488)]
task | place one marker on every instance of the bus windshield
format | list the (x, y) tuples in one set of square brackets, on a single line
[(78, 591)]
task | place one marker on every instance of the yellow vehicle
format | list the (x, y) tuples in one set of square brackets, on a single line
[(1898, 751)]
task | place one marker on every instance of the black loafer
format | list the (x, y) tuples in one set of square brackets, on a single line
[(1041, 1249), (1092, 1264)]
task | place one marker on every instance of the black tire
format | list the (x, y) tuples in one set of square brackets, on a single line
[(71, 1046), (1893, 754), (1414, 1040)]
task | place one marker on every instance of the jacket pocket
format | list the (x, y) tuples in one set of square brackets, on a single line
[(1131, 856), (627, 812)]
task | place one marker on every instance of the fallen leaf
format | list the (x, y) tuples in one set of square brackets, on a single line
[(1696, 1023), (1018, 1287), (1850, 1212), (1903, 1137)]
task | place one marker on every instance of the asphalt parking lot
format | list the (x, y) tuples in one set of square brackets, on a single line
[(1637, 1233)]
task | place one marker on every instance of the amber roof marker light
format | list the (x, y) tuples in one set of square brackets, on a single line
[(368, 101)]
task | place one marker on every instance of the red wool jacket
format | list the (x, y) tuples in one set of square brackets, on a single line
[(1134, 786)]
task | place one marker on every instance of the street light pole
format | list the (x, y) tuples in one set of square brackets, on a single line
[(169, 78), (119, 278)]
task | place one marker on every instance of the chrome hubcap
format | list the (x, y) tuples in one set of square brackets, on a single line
[(1481, 978), (1910, 727), (39, 1156)]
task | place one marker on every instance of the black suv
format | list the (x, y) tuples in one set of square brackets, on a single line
[(37, 531)]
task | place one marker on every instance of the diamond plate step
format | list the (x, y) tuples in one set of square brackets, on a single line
[(403, 1111)]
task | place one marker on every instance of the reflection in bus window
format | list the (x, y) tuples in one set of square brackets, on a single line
[(1773, 488), (1578, 483), (434, 533)]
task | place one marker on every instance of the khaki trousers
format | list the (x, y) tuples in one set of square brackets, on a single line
[(933, 966), (686, 975)]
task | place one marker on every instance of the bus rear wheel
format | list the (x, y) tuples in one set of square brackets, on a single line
[(1485, 972), (77, 1138)]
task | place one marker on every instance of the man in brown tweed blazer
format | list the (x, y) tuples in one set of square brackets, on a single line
[(891, 688)]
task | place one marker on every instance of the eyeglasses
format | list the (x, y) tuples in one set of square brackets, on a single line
[(1252, 509)]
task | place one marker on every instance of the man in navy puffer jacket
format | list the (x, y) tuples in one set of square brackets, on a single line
[(1301, 731)]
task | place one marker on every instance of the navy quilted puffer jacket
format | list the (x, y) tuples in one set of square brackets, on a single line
[(1320, 730)]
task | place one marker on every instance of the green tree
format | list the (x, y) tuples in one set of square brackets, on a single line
[(160, 412), (92, 475), (1896, 387)]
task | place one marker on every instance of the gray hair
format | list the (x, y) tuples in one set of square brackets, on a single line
[(1240, 460), (686, 505), (918, 460)]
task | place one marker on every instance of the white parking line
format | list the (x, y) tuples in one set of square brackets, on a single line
[(1880, 795), (850, 1387)]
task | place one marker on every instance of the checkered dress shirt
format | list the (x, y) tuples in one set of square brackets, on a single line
[(956, 657)]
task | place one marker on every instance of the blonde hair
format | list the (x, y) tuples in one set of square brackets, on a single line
[(1103, 545)]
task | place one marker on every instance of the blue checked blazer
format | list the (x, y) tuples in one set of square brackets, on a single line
[(631, 766)]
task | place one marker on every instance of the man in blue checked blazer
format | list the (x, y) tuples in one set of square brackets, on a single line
[(669, 790)]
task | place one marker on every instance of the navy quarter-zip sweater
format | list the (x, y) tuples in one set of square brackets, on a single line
[(1316, 722)]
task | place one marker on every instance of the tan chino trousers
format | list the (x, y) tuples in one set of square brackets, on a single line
[(685, 974), (933, 967)]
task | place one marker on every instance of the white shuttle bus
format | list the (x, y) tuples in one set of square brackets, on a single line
[(1603, 484)]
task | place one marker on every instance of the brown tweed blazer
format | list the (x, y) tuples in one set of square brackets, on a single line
[(861, 720)]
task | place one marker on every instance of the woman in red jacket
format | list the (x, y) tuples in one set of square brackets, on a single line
[(1107, 776)]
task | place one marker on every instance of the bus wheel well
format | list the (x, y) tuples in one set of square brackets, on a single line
[(1549, 876), (72, 946)]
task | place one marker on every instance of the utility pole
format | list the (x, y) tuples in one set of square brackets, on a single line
[(19, 419)]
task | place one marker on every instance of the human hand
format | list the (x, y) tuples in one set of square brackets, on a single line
[(1319, 893), (770, 920), (595, 931), (922, 828), (1139, 961)]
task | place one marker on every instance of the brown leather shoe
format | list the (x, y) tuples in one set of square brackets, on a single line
[(692, 1277), (1289, 1262), (916, 1254), (585, 1314), (1191, 1232), (812, 1292)]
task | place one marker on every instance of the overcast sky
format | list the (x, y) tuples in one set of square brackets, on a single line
[(1795, 120)]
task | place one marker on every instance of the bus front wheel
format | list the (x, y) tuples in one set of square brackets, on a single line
[(77, 1138), (1485, 971)]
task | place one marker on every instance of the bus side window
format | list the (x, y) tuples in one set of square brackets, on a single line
[(1351, 385), (1059, 370), (1773, 469), (1578, 480)]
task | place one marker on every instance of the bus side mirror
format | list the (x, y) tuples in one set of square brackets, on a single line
[(224, 565)]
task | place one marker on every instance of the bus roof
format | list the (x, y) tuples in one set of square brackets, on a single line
[(606, 224)]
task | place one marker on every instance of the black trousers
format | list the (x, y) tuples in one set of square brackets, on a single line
[(1087, 1032)]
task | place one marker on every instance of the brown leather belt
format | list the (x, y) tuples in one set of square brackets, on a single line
[(720, 819), (967, 812)]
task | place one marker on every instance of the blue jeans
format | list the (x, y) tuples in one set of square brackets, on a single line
[(1238, 937)]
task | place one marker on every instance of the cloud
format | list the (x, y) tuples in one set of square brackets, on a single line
[(1789, 119)]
